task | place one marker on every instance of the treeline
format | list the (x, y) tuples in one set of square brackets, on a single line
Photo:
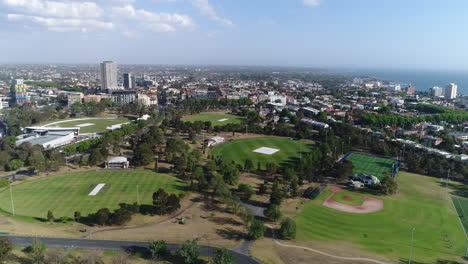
[(193, 106), (379, 121)]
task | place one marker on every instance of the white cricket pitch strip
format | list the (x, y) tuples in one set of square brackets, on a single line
[(267, 151), (85, 125), (97, 189), (224, 119)]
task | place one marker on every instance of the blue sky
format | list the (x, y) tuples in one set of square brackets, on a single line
[(418, 34)]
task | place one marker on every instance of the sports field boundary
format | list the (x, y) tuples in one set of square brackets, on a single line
[(458, 214), (393, 172)]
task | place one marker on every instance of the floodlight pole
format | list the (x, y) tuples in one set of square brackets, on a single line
[(12, 203), (411, 247)]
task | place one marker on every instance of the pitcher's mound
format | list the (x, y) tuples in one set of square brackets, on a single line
[(370, 205)]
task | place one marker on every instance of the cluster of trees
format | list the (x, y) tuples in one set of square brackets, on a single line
[(90, 108), (188, 253), (23, 116), (14, 157)]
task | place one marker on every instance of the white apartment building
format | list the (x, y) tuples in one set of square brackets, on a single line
[(109, 75), (451, 91)]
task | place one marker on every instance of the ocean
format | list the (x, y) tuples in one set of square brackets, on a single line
[(423, 80)]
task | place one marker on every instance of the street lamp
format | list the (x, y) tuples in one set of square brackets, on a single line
[(411, 247)]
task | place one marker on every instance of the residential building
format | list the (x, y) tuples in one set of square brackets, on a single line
[(451, 91), (315, 124), (394, 88), (411, 90), (436, 91), (109, 76), (129, 81), (19, 92), (73, 98)]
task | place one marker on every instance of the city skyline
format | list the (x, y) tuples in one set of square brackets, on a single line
[(306, 33)]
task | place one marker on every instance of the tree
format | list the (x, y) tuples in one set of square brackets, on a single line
[(102, 216), (158, 249), (273, 212), (15, 164), (344, 169), (142, 155), (287, 229), (6, 246), (249, 166), (222, 256), (37, 252), (50, 216), (245, 191), (37, 161), (276, 196), (256, 229), (388, 185), (189, 252), (77, 216)]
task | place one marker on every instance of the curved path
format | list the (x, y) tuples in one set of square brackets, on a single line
[(132, 246), (330, 255)]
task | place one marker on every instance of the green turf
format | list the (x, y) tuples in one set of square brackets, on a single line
[(461, 204), (421, 203), (376, 166), (98, 127), (241, 150), (214, 117), (65, 194), (353, 199)]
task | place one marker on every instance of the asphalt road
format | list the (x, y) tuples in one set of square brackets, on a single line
[(129, 246)]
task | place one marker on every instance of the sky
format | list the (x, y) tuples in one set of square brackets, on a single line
[(400, 34)]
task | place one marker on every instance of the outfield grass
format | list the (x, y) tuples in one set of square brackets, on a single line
[(364, 164), (241, 150), (214, 118), (99, 125), (422, 203), (348, 198), (65, 194)]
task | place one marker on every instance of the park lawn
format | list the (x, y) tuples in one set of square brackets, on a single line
[(348, 198), (99, 125), (422, 203), (364, 164), (241, 150), (65, 194), (214, 118)]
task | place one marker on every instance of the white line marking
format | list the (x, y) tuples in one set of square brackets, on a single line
[(97, 189), (267, 151)]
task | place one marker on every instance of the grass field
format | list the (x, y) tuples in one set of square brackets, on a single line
[(376, 166), (65, 194), (348, 198), (461, 204), (214, 118), (99, 124), (422, 203), (241, 150)]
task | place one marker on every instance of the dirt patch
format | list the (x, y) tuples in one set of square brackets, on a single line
[(370, 205)]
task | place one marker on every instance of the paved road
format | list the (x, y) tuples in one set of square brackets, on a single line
[(130, 246)]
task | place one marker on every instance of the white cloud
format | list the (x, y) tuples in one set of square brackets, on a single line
[(208, 10), (64, 24), (160, 22), (311, 2), (54, 8)]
